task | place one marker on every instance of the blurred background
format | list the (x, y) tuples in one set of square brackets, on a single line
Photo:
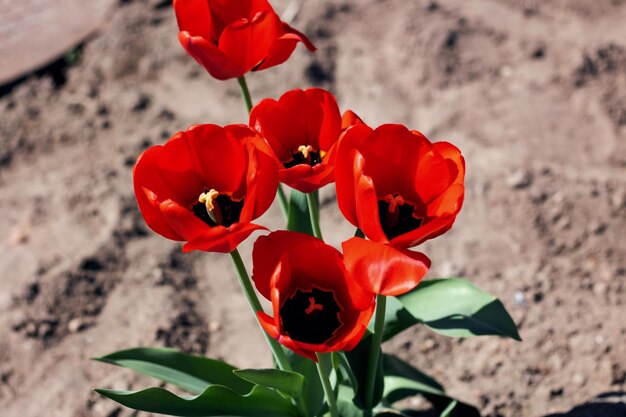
[(532, 92)]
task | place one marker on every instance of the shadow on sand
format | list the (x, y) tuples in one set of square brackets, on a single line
[(609, 404)]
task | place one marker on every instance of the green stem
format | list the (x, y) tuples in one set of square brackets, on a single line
[(282, 199), (246, 92), (323, 368), (374, 356), (255, 304), (311, 200)]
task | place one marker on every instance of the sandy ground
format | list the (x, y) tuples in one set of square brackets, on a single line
[(533, 92)]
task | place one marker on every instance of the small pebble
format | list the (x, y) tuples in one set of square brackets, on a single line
[(18, 237), (520, 300), (75, 325), (214, 326), (519, 179), (578, 379), (428, 345)]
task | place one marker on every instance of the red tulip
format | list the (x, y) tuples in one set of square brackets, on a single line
[(302, 128), (231, 37), (206, 185), (397, 186), (317, 306)]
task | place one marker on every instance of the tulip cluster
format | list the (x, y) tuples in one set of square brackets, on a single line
[(208, 185)]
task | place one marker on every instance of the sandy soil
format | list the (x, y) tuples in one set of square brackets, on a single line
[(533, 92)]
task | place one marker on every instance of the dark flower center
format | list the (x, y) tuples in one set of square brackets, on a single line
[(397, 216), (310, 316), (217, 209), (304, 155)]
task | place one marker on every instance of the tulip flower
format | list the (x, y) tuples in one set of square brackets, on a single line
[(303, 128), (232, 37), (206, 185), (317, 306), (397, 186)]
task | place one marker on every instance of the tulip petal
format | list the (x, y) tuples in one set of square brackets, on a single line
[(284, 46), (367, 206), (262, 178), (182, 220), (218, 64), (344, 171), (269, 324), (148, 187), (301, 37), (194, 17), (226, 12), (221, 239), (453, 156), (307, 179), (384, 269), (349, 119), (248, 43), (299, 348), (219, 155)]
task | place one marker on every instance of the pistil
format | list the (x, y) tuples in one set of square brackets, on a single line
[(397, 216)]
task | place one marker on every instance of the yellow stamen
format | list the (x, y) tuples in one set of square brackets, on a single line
[(305, 150), (394, 201), (322, 154), (208, 198)]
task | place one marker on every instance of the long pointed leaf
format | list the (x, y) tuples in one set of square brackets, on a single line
[(189, 372), (452, 307), (216, 400), (312, 391), (403, 380), (291, 383)]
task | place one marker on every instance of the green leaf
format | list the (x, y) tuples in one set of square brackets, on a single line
[(312, 391), (299, 218), (402, 381), (452, 307), (397, 319), (189, 372), (216, 400), (448, 411), (291, 383), (345, 405), (358, 360)]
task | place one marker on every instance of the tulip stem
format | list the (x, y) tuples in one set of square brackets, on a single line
[(314, 214), (323, 368), (246, 92), (253, 300), (282, 200), (374, 355)]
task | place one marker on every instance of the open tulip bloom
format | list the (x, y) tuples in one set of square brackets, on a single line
[(317, 306), (305, 146), (397, 186), (206, 185), (329, 310)]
